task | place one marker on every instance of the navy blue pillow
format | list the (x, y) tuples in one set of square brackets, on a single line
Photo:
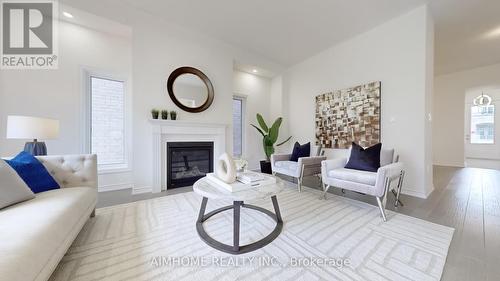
[(364, 159), (300, 151), (33, 172)]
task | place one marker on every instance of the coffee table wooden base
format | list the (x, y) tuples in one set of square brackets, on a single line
[(236, 248)]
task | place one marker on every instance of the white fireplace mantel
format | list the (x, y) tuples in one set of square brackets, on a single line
[(165, 131)]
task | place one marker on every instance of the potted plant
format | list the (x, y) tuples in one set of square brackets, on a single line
[(164, 114), (173, 115), (270, 137), (155, 113)]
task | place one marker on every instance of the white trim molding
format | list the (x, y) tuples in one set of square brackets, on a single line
[(113, 187), (419, 193), (165, 131), (87, 73), (141, 189)]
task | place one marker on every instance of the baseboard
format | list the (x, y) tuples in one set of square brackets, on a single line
[(113, 187), (417, 193), (449, 165), (143, 189)]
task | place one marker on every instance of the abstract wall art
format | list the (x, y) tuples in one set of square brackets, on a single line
[(348, 115)]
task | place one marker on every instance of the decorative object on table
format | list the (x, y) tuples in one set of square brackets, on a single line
[(190, 89), (364, 159), (270, 137), (244, 181), (173, 115), (205, 188), (33, 172), (164, 114), (349, 115), (241, 164), (226, 169), (305, 165), (26, 127), (14, 189), (378, 183), (300, 151), (155, 113), (255, 179)]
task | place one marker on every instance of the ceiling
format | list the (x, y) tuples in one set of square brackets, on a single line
[(282, 30), (287, 32), (467, 34)]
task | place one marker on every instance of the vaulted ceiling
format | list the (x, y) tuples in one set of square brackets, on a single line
[(288, 32)]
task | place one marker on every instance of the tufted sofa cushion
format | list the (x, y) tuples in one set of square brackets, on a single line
[(35, 234), (72, 170)]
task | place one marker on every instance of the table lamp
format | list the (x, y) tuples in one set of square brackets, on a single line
[(26, 127)]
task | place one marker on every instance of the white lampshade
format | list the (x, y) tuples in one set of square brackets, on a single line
[(26, 127)]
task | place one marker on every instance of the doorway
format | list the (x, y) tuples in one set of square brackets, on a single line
[(482, 129)]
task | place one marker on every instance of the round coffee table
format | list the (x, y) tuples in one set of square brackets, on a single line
[(209, 190)]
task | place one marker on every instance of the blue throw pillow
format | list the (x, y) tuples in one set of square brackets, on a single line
[(33, 172), (300, 151), (364, 159)]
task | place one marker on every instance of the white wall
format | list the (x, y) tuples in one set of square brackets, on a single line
[(156, 53), (148, 55), (59, 93), (449, 110), (257, 93), (398, 53), (158, 48)]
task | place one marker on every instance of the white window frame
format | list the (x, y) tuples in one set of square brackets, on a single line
[(494, 126), (243, 100), (87, 74)]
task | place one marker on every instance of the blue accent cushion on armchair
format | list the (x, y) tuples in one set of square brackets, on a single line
[(300, 151), (364, 159), (33, 172)]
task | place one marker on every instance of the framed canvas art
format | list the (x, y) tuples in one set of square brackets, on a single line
[(349, 115)]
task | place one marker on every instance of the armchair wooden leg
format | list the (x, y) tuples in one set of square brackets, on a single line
[(381, 208), (299, 184)]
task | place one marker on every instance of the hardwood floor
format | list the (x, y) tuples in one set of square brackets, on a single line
[(467, 199)]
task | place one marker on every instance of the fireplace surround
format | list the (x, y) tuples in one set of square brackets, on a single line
[(166, 131)]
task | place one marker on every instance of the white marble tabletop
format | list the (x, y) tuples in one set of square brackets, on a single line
[(210, 190)]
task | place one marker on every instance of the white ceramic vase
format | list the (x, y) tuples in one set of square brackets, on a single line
[(226, 168)]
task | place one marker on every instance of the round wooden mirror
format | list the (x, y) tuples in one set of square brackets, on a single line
[(190, 89)]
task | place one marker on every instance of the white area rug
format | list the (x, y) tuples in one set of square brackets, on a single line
[(157, 240)]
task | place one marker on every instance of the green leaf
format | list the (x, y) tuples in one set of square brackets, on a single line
[(275, 129), (258, 129), (262, 123), (283, 142)]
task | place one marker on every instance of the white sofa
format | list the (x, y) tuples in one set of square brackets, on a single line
[(35, 234)]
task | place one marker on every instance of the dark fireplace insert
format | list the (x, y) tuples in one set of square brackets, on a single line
[(187, 162)]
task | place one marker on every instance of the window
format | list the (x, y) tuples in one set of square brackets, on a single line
[(482, 124), (238, 127), (107, 122)]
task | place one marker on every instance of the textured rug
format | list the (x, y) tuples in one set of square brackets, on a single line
[(334, 239)]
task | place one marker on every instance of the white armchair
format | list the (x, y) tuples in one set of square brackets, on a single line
[(375, 184), (305, 166)]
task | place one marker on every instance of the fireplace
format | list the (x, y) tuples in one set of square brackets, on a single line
[(187, 162)]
